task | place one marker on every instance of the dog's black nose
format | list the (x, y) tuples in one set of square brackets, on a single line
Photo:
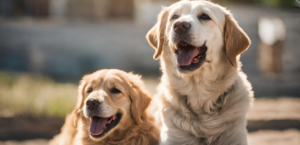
[(182, 26), (92, 103)]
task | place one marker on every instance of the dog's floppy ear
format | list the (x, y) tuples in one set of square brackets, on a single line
[(140, 99), (156, 34), (236, 40), (80, 99)]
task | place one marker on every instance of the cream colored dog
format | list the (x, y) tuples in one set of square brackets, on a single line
[(203, 95)]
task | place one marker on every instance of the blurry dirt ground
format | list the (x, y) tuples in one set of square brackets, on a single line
[(27, 142), (288, 137), (275, 109)]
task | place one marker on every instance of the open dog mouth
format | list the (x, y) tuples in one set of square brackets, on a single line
[(189, 57), (100, 126)]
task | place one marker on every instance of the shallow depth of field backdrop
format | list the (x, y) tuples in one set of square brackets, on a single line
[(46, 46)]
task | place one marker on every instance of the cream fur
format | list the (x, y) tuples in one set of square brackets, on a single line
[(208, 105)]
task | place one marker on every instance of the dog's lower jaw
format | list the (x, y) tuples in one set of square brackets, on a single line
[(120, 134)]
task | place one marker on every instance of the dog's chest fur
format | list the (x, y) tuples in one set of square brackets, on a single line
[(195, 113)]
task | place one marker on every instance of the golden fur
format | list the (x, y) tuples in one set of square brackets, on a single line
[(135, 127), (207, 105)]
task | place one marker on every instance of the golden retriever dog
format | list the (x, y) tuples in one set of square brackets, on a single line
[(111, 110), (203, 96)]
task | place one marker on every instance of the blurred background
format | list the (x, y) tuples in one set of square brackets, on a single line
[(46, 46)]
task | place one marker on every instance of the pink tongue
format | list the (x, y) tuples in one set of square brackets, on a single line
[(97, 125), (186, 56)]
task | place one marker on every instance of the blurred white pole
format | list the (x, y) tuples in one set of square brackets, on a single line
[(58, 8), (298, 2), (272, 34)]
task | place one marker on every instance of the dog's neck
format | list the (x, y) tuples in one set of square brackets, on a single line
[(204, 86)]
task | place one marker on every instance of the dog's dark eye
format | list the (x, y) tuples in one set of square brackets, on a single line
[(204, 17), (115, 91), (174, 17), (90, 90)]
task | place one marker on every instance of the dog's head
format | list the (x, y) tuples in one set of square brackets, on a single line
[(111, 100), (194, 33)]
